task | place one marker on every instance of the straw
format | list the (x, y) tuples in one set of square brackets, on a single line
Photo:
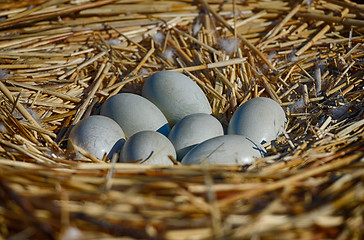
[(60, 60)]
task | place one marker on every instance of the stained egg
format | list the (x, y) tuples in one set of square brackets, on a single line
[(227, 149), (176, 95), (192, 130), (261, 119), (148, 147), (135, 113), (98, 135)]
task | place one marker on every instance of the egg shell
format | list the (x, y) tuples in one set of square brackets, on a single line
[(148, 147), (135, 113), (98, 135), (176, 95), (227, 149), (192, 130), (261, 119)]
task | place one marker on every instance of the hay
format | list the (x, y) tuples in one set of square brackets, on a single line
[(61, 59)]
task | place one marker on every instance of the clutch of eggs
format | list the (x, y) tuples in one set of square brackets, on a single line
[(171, 99)]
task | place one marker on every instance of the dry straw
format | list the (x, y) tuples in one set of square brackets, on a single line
[(60, 59)]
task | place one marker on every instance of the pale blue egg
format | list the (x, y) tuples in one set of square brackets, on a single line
[(227, 149), (135, 113), (98, 135), (148, 147), (192, 130), (176, 95), (261, 119)]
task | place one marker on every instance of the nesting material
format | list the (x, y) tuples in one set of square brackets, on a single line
[(60, 60)]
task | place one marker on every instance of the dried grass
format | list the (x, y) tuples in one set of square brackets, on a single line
[(61, 59)]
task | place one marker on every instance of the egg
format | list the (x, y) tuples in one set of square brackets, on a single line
[(148, 147), (227, 149), (135, 113), (176, 95), (98, 135), (192, 130), (260, 119)]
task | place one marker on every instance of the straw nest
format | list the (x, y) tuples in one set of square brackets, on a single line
[(61, 59)]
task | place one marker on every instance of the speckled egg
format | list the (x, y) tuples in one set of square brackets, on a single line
[(98, 135), (148, 147), (260, 119), (227, 149), (176, 95), (192, 130), (135, 113)]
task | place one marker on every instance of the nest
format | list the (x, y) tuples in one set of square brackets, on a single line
[(60, 60)]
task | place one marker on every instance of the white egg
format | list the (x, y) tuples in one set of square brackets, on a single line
[(175, 95), (148, 147), (98, 135), (260, 119), (227, 149), (135, 113), (192, 130)]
